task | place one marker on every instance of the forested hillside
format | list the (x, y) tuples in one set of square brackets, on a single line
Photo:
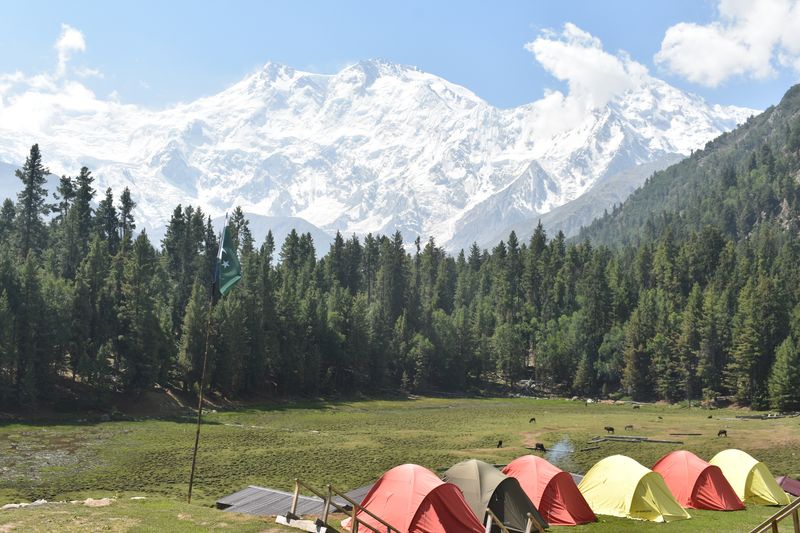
[(693, 293), (741, 178)]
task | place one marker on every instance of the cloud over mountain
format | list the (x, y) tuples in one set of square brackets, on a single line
[(750, 38)]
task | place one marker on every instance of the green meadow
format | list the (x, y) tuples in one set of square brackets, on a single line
[(348, 444)]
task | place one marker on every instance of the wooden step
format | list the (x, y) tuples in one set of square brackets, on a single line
[(313, 526)]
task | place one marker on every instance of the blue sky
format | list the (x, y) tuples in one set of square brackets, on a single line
[(159, 53)]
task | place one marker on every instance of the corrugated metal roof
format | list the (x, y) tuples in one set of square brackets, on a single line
[(263, 501), (227, 501), (356, 494)]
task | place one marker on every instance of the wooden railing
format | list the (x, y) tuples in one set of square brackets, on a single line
[(492, 519), (328, 498), (771, 523)]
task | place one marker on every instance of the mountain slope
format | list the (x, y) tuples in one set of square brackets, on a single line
[(592, 204), (376, 147), (740, 179)]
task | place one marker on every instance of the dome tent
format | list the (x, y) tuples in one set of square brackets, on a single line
[(551, 490), (697, 484), (750, 478), (792, 486), (484, 487), (415, 500), (619, 486)]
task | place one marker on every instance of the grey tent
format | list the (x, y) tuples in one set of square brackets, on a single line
[(484, 487)]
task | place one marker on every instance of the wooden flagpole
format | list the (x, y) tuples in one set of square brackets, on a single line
[(200, 399), (205, 361)]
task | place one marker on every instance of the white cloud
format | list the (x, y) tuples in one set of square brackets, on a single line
[(88, 72), (29, 103), (71, 40), (593, 76), (751, 38)]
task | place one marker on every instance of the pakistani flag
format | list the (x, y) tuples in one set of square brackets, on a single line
[(229, 271)]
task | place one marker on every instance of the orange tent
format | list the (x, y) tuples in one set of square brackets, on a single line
[(414, 500), (697, 484), (551, 490)]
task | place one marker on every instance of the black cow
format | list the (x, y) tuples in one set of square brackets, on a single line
[(722, 433), (539, 447), (532, 420), (499, 444), (609, 429)]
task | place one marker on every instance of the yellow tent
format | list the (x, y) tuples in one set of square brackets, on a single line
[(619, 486), (751, 479)]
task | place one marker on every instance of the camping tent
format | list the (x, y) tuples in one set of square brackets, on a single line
[(697, 484), (484, 487), (792, 486), (412, 499), (551, 490), (749, 478), (619, 486)]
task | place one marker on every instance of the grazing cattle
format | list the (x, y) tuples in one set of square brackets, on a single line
[(499, 444), (722, 433), (660, 418), (539, 447), (532, 420), (636, 406), (709, 416), (628, 427), (609, 429)]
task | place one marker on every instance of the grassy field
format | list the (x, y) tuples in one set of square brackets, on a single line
[(348, 444)]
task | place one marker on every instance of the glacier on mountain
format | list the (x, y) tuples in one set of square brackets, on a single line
[(376, 147)]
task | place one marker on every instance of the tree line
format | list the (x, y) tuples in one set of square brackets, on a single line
[(686, 315)]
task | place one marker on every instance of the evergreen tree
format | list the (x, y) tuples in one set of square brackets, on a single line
[(785, 377), (126, 219), (65, 194), (31, 204), (511, 350), (638, 377), (91, 327), (392, 277), (8, 355), (31, 350), (688, 345), (84, 194), (711, 361), (141, 339), (420, 353), (7, 214), (192, 342), (107, 222)]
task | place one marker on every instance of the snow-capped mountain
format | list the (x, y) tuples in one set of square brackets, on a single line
[(373, 148)]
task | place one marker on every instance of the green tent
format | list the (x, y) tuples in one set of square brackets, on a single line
[(484, 487)]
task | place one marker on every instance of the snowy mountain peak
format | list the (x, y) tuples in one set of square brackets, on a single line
[(275, 71), (374, 147)]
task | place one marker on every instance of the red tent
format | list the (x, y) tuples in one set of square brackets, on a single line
[(792, 486), (415, 500), (551, 490), (697, 484)]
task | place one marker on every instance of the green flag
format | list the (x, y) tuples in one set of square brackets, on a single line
[(229, 271)]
